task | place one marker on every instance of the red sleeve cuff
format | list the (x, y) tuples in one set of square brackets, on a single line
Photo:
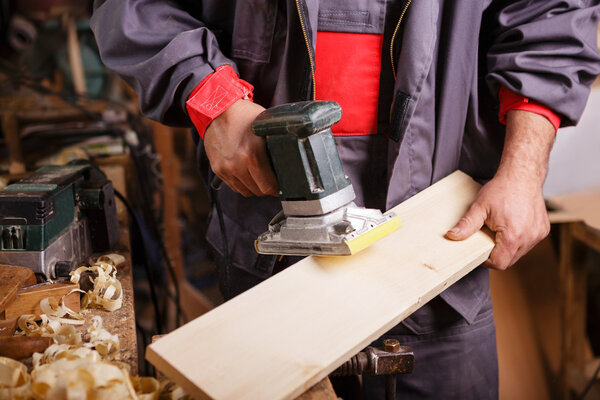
[(214, 95), (512, 101)]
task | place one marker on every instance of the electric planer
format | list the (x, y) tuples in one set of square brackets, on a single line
[(318, 214), (57, 217)]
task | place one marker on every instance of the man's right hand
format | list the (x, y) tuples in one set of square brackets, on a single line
[(237, 155)]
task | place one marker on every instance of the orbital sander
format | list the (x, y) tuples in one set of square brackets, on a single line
[(318, 214)]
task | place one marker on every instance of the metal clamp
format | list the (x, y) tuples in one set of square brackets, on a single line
[(391, 360)]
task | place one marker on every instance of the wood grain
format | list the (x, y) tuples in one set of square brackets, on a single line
[(28, 299), (281, 337), (12, 278)]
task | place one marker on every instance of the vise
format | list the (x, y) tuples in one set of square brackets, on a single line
[(391, 360), (55, 218)]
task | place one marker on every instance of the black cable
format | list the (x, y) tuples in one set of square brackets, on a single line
[(171, 270), (133, 215), (148, 368), (590, 384), (226, 286), (148, 272), (163, 251)]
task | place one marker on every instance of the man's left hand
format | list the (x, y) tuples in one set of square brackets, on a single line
[(512, 204), (514, 209)]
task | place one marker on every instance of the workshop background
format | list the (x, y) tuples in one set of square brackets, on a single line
[(59, 103)]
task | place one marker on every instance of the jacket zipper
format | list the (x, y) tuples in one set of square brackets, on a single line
[(394, 36), (310, 57)]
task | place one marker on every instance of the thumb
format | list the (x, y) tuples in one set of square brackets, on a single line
[(472, 221)]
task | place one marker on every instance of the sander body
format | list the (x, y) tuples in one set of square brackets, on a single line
[(318, 214)]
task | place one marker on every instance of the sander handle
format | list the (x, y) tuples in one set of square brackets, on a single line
[(302, 119)]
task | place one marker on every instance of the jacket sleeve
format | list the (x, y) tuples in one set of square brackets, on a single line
[(159, 49), (547, 50)]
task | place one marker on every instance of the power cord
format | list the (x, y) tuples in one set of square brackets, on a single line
[(226, 255), (148, 270)]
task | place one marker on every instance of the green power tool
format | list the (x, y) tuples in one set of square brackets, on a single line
[(55, 218), (319, 216)]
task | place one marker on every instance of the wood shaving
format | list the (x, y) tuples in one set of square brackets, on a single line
[(81, 379), (49, 325), (55, 311), (169, 390), (105, 343), (64, 351), (107, 292), (15, 382), (147, 388), (49, 306), (115, 259)]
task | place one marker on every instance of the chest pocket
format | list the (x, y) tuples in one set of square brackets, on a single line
[(357, 16), (254, 29)]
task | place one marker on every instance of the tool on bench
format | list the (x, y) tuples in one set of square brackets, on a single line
[(319, 216), (12, 278), (56, 217), (391, 360), (18, 347)]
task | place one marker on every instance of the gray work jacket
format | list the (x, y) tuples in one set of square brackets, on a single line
[(452, 56)]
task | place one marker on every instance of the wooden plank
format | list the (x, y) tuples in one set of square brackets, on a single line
[(28, 299), (281, 337), (11, 280)]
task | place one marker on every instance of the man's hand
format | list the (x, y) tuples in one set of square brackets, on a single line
[(512, 203), (238, 156)]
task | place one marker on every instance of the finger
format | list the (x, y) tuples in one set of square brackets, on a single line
[(521, 251), (263, 175), (469, 224), (265, 181), (524, 249), (503, 253), (247, 180), (237, 186)]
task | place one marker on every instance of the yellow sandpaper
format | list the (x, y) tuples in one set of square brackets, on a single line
[(360, 242)]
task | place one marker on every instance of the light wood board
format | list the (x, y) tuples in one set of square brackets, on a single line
[(281, 337)]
